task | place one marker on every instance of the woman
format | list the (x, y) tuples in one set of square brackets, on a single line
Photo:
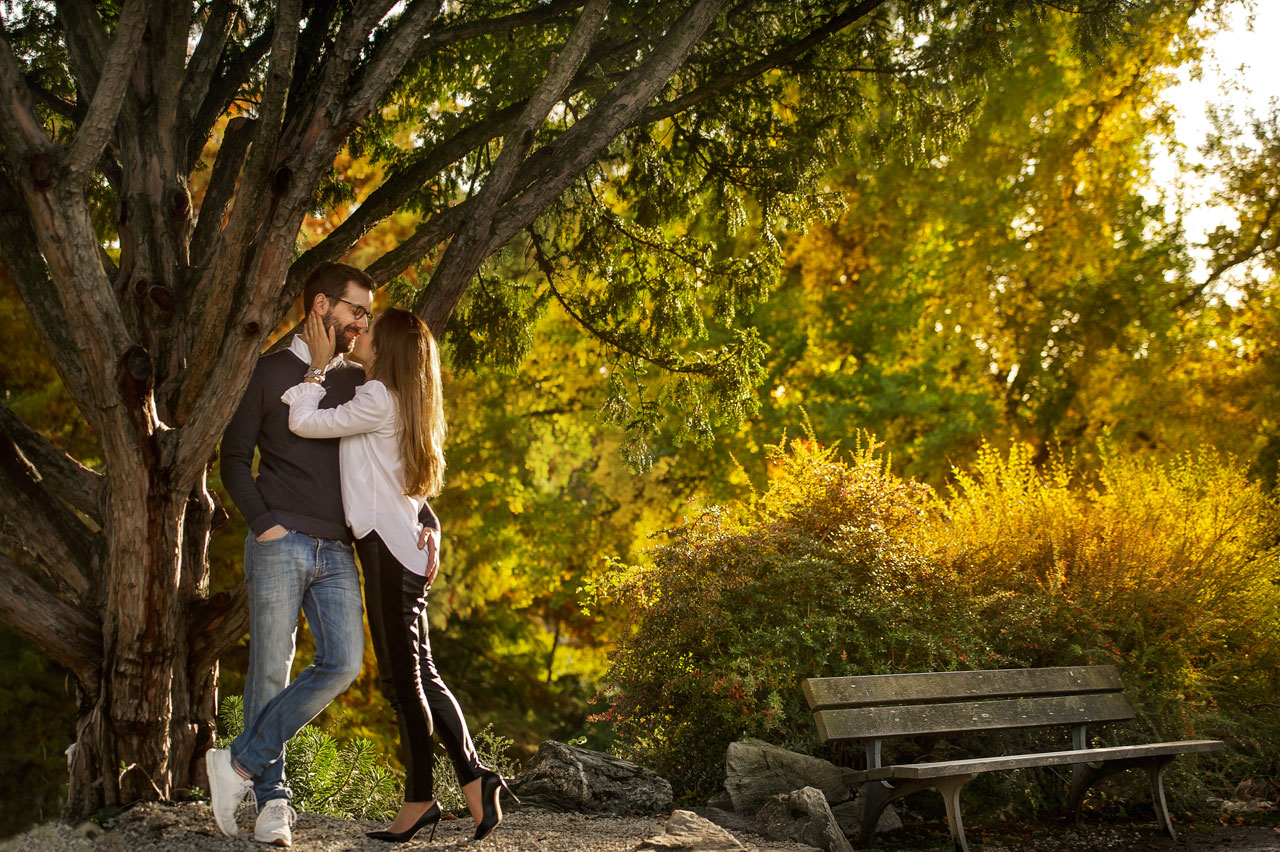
[(392, 459)]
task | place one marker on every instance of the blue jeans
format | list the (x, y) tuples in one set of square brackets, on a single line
[(285, 575)]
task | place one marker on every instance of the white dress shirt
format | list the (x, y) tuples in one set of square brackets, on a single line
[(371, 470)]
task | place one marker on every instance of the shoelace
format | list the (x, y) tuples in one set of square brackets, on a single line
[(288, 814)]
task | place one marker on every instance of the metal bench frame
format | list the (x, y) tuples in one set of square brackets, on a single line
[(874, 708)]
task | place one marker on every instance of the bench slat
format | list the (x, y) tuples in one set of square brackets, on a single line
[(977, 766), (870, 722), (829, 693)]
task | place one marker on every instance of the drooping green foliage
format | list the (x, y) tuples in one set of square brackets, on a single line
[(841, 568)]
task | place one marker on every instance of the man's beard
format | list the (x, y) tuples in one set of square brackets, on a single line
[(341, 343)]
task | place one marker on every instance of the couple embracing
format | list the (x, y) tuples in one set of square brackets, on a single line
[(348, 457)]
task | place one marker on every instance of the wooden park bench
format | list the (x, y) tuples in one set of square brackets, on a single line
[(874, 708)]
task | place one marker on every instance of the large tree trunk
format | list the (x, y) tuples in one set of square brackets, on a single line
[(145, 722)]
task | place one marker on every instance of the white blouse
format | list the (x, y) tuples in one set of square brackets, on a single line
[(371, 469)]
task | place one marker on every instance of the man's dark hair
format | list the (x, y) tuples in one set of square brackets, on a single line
[(332, 279)]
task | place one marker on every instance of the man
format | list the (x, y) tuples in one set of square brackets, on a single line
[(298, 556)]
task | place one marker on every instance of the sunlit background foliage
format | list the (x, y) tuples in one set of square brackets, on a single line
[(1076, 430)]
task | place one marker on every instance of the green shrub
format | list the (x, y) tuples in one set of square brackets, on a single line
[(820, 575), (352, 779), (840, 568)]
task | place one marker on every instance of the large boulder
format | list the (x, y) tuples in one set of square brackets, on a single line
[(688, 832), (802, 816), (849, 816), (567, 778), (756, 771)]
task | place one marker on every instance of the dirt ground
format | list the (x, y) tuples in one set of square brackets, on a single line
[(1251, 836)]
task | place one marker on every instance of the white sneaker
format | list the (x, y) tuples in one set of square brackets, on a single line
[(226, 789), (275, 823)]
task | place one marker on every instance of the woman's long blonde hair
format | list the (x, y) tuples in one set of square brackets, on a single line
[(407, 361)]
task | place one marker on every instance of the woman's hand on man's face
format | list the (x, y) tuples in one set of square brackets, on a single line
[(319, 340)]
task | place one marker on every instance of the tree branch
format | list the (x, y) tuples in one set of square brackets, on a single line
[(494, 26), (66, 633), (396, 190), (373, 80), (78, 486), (204, 61), (606, 337), (575, 149), (217, 624), (1257, 246), (214, 293), (470, 244), (72, 112), (311, 44), (391, 195), (41, 525), (790, 53), (86, 40), (427, 236), (20, 131), (22, 264), (94, 132), (221, 188), (223, 90)]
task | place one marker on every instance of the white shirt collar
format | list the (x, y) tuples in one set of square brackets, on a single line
[(299, 347)]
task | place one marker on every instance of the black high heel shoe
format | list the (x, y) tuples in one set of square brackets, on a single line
[(430, 817), (491, 786)]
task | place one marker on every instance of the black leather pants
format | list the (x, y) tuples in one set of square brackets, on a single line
[(396, 602)]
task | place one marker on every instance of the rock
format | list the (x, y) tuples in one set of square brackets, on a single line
[(688, 831), (756, 771), (849, 816), (802, 816), (567, 778), (725, 819)]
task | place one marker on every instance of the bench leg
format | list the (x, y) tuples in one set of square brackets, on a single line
[(876, 796), (1156, 773), (1085, 775), (950, 789)]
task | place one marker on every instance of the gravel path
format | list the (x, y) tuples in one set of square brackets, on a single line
[(190, 828)]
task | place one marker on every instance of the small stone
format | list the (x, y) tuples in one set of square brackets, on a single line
[(91, 830), (802, 816), (689, 832)]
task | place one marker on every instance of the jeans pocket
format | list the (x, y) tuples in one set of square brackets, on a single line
[(271, 541)]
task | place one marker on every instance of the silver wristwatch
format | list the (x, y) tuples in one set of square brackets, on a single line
[(313, 373)]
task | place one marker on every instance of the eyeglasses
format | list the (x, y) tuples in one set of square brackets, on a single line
[(359, 310)]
